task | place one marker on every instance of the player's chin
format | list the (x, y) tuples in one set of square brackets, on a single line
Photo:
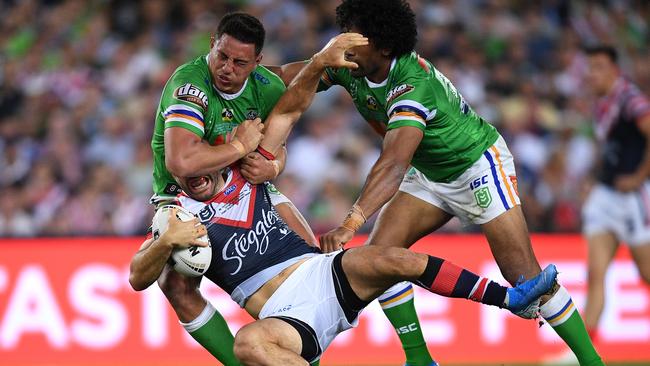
[(199, 188), (358, 72)]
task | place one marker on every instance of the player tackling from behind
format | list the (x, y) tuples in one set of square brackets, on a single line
[(302, 298), (439, 159)]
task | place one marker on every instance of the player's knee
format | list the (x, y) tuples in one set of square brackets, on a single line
[(394, 261), (248, 346)]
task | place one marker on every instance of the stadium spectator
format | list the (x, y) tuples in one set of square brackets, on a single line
[(67, 67)]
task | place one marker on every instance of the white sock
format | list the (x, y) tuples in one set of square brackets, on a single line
[(201, 320), (558, 308), (396, 295)]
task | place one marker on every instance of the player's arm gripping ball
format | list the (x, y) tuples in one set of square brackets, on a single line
[(149, 261)]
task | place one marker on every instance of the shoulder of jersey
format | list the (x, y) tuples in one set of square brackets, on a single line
[(191, 83), (194, 71), (411, 65)]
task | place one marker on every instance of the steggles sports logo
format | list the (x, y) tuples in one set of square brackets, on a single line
[(239, 245)]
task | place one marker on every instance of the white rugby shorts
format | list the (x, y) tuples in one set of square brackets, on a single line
[(626, 215), (484, 191), (308, 295)]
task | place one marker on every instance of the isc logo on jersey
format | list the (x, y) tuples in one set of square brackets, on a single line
[(192, 94)]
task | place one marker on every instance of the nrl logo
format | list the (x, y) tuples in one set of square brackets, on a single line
[(483, 197), (398, 91), (207, 213), (227, 114), (371, 102), (192, 94)]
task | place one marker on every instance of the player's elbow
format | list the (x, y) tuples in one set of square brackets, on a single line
[(178, 166), (136, 280), (136, 283)]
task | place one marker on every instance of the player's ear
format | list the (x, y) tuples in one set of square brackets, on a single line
[(212, 42), (385, 52), (259, 58)]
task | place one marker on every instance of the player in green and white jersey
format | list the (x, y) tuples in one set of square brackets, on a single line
[(209, 118), (208, 111), (439, 159)]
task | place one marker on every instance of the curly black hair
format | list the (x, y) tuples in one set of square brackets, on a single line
[(389, 24), (244, 28)]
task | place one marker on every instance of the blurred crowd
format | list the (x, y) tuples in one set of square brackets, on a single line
[(80, 82)]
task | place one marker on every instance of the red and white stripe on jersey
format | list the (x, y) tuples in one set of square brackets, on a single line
[(638, 107), (234, 205), (626, 101), (409, 110)]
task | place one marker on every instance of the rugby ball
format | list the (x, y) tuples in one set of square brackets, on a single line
[(192, 261)]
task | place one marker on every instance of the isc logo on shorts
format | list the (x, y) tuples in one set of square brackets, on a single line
[(482, 194)]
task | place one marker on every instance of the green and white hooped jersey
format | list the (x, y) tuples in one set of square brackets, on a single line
[(416, 94), (191, 101)]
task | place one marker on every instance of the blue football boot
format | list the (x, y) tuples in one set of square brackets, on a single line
[(523, 299)]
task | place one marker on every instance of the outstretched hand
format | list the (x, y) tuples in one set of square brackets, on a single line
[(333, 54)]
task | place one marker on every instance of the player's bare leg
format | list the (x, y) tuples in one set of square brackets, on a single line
[(270, 342), (510, 244), (602, 248), (370, 269), (512, 250), (403, 221), (182, 293), (641, 256)]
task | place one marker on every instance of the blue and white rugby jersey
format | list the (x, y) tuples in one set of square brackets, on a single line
[(250, 242)]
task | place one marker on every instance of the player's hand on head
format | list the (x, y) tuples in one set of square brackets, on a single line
[(249, 133), (333, 54), (335, 239), (256, 168), (182, 234)]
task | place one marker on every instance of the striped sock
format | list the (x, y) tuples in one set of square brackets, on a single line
[(399, 306), (447, 279), (561, 314)]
